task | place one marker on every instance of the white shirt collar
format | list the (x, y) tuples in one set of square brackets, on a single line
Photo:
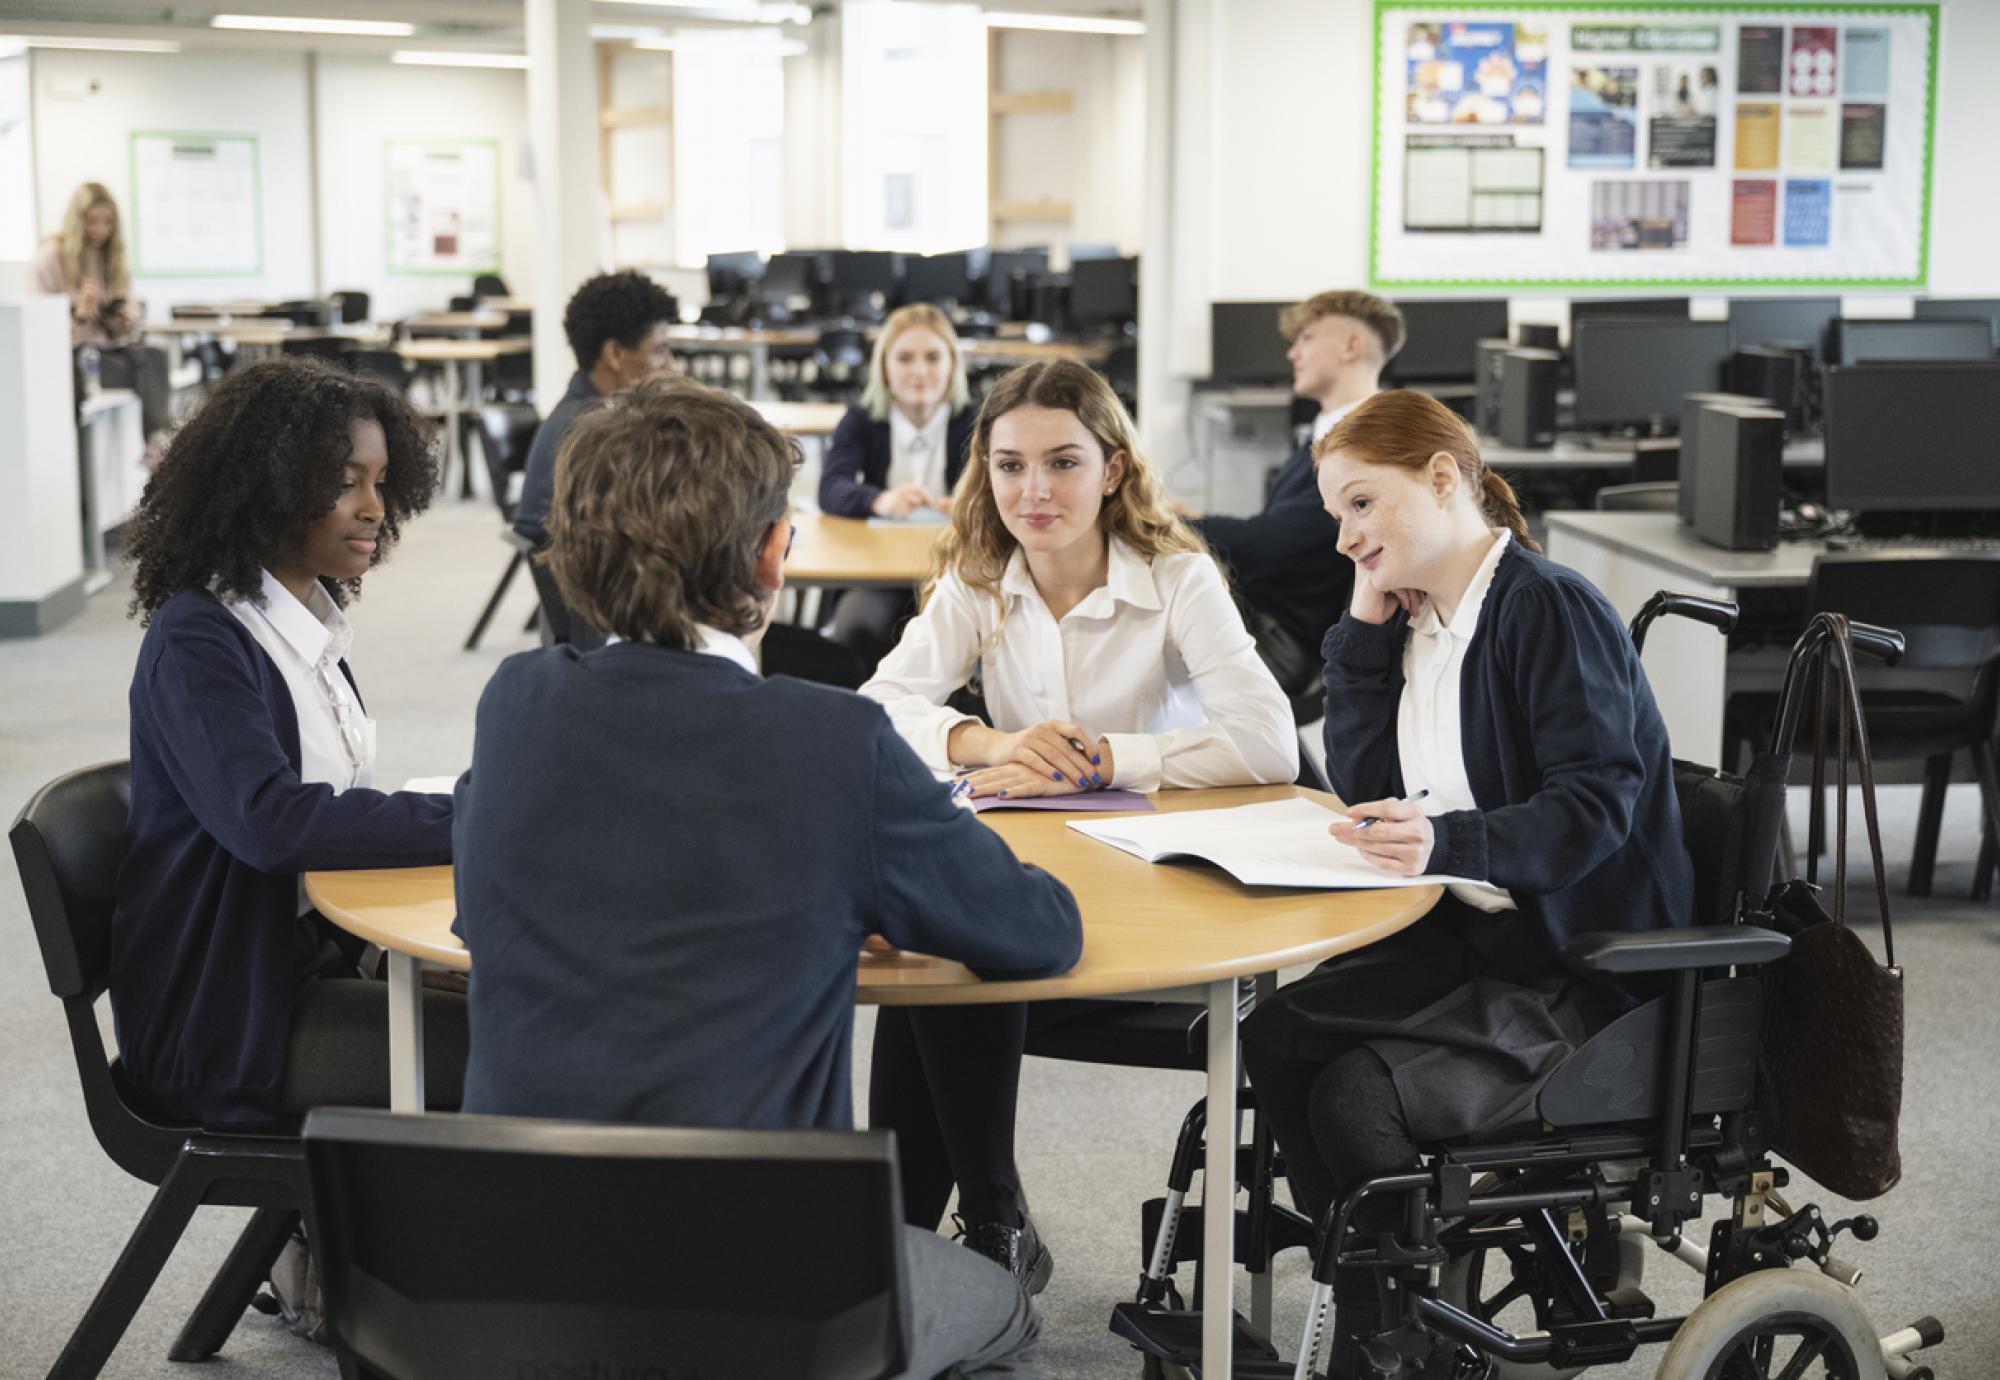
[(1329, 418), (713, 642), (1128, 579), (1425, 621), (903, 432), (314, 629)]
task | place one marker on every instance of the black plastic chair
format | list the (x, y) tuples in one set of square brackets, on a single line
[(333, 347), (68, 842), (352, 305), (386, 365), (1638, 498), (506, 433), (468, 1245), (839, 359), (490, 285)]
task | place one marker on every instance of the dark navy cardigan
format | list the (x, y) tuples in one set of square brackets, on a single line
[(204, 929), (666, 868), (857, 460), (538, 479), (1564, 748), (1286, 560)]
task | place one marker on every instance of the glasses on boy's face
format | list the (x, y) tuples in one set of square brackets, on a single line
[(791, 534)]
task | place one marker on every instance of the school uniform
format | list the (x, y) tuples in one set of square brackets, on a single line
[(1530, 722), (1157, 662), (538, 479), (666, 869), (252, 763), (866, 456)]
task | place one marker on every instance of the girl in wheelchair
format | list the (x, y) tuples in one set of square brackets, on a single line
[(1502, 690)]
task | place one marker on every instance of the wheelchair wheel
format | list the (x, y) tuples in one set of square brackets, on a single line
[(1795, 1322), (1485, 1284)]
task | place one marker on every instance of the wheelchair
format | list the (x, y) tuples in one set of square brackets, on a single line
[(1634, 1132)]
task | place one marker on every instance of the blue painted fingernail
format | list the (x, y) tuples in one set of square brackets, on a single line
[(1057, 775), (1003, 792), (1096, 761), (1097, 778)]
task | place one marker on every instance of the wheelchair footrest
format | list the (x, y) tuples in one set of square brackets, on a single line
[(1175, 1337)]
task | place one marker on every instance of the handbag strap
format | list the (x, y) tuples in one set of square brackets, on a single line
[(1842, 648)]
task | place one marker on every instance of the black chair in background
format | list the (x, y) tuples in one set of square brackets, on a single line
[(68, 842), (506, 431), (1655, 497), (490, 285), (333, 347), (350, 304), (840, 359), (1121, 371), (490, 1240), (386, 365)]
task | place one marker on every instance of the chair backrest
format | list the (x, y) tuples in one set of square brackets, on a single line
[(1946, 605), (1638, 498), (489, 285), (506, 433), (321, 346), (352, 305), (385, 365), (68, 842), (842, 348), (461, 1246)]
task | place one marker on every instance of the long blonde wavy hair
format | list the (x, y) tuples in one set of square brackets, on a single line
[(117, 281), (977, 544)]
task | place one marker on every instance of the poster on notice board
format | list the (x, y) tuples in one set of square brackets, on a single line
[(444, 206)]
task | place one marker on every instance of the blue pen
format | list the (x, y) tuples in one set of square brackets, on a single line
[(1377, 819), (962, 786)]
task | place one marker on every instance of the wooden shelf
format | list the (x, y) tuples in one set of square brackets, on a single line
[(639, 210), (1033, 102), (635, 115), (1031, 210)]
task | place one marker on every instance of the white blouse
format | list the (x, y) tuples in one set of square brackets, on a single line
[(916, 454), (1429, 726), (1156, 660), (308, 641)]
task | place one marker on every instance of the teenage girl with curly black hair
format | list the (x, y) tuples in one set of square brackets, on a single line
[(253, 758)]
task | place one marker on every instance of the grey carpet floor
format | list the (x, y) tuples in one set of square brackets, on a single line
[(1093, 1142)]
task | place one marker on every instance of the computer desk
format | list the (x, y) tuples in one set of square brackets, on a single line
[(757, 342), (1153, 933), (1574, 451)]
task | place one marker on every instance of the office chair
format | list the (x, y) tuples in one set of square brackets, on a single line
[(506, 434), (351, 306), (68, 841), (456, 1246), (490, 285), (1638, 498)]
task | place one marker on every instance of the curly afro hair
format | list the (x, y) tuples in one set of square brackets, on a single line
[(615, 306), (253, 469)]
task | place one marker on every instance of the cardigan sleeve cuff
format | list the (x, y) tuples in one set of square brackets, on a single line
[(1459, 844), (1365, 646)]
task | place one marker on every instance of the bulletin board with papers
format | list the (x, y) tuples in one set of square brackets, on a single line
[(197, 205), (443, 198), (1564, 145)]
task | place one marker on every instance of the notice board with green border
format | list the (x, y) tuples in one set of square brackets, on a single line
[(443, 204), (197, 207), (1560, 146)]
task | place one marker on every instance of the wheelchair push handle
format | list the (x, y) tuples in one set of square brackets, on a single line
[(1719, 614), (1884, 644)]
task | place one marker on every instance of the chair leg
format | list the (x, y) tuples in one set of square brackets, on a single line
[(1982, 872), (1989, 801), (1930, 816), (131, 1279), (492, 604), (229, 1293)]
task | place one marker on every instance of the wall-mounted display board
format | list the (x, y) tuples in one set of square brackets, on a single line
[(1571, 145), (444, 206), (197, 205)]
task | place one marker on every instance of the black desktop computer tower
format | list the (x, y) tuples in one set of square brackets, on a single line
[(1741, 458), (1773, 374), (1533, 336), (1488, 366), (1690, 467), (1528, 398)]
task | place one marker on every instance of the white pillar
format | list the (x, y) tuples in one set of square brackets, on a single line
[(1162, 398), (41, 560), (562, 141)]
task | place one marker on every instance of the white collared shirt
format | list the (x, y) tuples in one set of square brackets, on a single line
[(1429, 724), (1156, 660), (1330, 417), (916, 454), (308, 642), (714, 642)]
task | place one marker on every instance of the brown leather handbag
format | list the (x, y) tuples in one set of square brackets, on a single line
[(1833, 1014)]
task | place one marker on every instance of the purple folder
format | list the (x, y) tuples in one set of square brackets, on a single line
[(1074, 804)]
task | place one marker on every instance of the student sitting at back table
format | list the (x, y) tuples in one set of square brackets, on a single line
[(667, 865), (1285, 561), (1470, 667), (617, 328), (253, 758), (1110, 654), (899, 452)]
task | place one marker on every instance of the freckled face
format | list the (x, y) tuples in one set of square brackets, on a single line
[(1050, 477), (1391, 526)]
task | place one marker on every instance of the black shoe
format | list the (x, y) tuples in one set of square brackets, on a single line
[(1017, 1250)]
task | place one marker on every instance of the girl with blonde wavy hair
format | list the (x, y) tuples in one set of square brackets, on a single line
[(1110, 654)]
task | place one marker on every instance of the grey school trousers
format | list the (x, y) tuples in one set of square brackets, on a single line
[(968, 1317)]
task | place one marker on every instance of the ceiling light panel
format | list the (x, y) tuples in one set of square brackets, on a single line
[(285, 24)]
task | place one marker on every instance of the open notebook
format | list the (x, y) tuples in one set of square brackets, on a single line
[(1280, 843)]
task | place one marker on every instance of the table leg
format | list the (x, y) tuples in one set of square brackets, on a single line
[(475, 391), (760, 370), (1218, 1187), (1260, 1280), (406, 1033)]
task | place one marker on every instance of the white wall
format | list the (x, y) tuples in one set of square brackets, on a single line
[(38, 473), (89, 103), (1091, 156), (17, 160), (1965, 194), (364, 103)]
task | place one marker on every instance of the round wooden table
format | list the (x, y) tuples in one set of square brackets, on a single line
[(1188, 931), (856, 552)]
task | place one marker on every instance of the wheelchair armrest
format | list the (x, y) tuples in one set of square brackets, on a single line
[(1691, 946)]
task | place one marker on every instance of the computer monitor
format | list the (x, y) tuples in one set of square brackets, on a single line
[(859, 274), (1587, 308), (1782, 321), (1913, 437), (1245, 345), (730, 275), (1985, 309), (1441, 337), (1633, 371), (1874, 342), (1079, 252), (790, 275), (938, 278), (1103, 293), (1002, 265)]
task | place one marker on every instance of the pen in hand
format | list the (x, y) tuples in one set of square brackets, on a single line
[(1376, 819)]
